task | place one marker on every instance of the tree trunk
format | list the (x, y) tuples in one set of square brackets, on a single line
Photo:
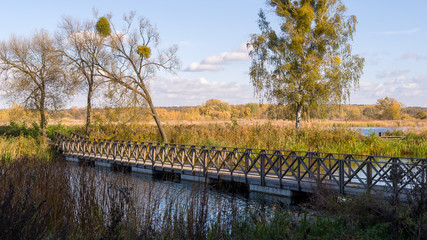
[(157, 120), (43, 120), (88, 110), (298, 116), (42, 111)]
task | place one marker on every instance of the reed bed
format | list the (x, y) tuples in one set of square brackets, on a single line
[(270, 136), (22, 146)]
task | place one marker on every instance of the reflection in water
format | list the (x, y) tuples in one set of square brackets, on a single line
[(160, 199)]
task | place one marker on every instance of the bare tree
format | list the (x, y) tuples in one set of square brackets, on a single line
[(83, 49), (33, 73), (135, 58)]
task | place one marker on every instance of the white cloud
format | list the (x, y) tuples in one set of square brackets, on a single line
[(199, 67), (412, 55), (396, 73), (214, 63), (404, 32), (226, 57), (409, 90), (190, 92)]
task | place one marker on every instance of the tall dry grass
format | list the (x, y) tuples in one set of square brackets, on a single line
[(270, 136), (22, 146), (41, 200)]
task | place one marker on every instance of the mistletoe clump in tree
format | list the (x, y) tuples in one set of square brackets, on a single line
[(133, 60), (307, 62)]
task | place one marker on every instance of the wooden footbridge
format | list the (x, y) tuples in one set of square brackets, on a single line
[(273, 171)]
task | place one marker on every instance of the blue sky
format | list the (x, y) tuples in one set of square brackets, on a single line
[(211, 35)]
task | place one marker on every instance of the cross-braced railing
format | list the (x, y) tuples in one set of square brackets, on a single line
[(294, 170)]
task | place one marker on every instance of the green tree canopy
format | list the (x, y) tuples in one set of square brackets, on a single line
[(307, 62)]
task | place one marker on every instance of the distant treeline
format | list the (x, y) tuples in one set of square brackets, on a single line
[(214, 109)]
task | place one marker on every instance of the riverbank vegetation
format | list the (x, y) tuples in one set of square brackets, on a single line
[(269, 136), (52, 200), (42, 197), (316, 138)]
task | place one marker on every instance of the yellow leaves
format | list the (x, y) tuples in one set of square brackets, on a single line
[(285, 67), (144, 51), (336, 60), (306, 11), (282, 10), (305, 17), (296, 44)]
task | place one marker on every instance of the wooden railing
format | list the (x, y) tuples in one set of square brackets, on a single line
[(293, 170)]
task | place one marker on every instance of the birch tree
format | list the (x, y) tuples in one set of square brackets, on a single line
[(307, 62)]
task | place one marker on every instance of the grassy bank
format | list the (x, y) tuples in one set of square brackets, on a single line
[(271, 136)]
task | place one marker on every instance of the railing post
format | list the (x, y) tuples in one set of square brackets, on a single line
[(395, 175), (280, 164), (204, 161), (193, 158), (83, 148), (153, 157), (369, 172), (317, 159), (247, 153), (299, 160), (341, 175), (262, 158), (115, 150)]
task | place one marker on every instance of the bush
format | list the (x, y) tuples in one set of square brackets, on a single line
[(20, 129)]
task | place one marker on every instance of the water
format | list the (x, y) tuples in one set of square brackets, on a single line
[(367, 131), (165, 197)]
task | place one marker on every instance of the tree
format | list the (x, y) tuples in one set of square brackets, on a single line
[(389, 108), (133, 63), (83, 49), (33, 73), (307, 63), (421, 115)]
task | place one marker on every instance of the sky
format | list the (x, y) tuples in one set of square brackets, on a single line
[(212, 34)]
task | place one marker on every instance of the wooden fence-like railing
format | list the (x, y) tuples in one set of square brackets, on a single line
[(293, 170)]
